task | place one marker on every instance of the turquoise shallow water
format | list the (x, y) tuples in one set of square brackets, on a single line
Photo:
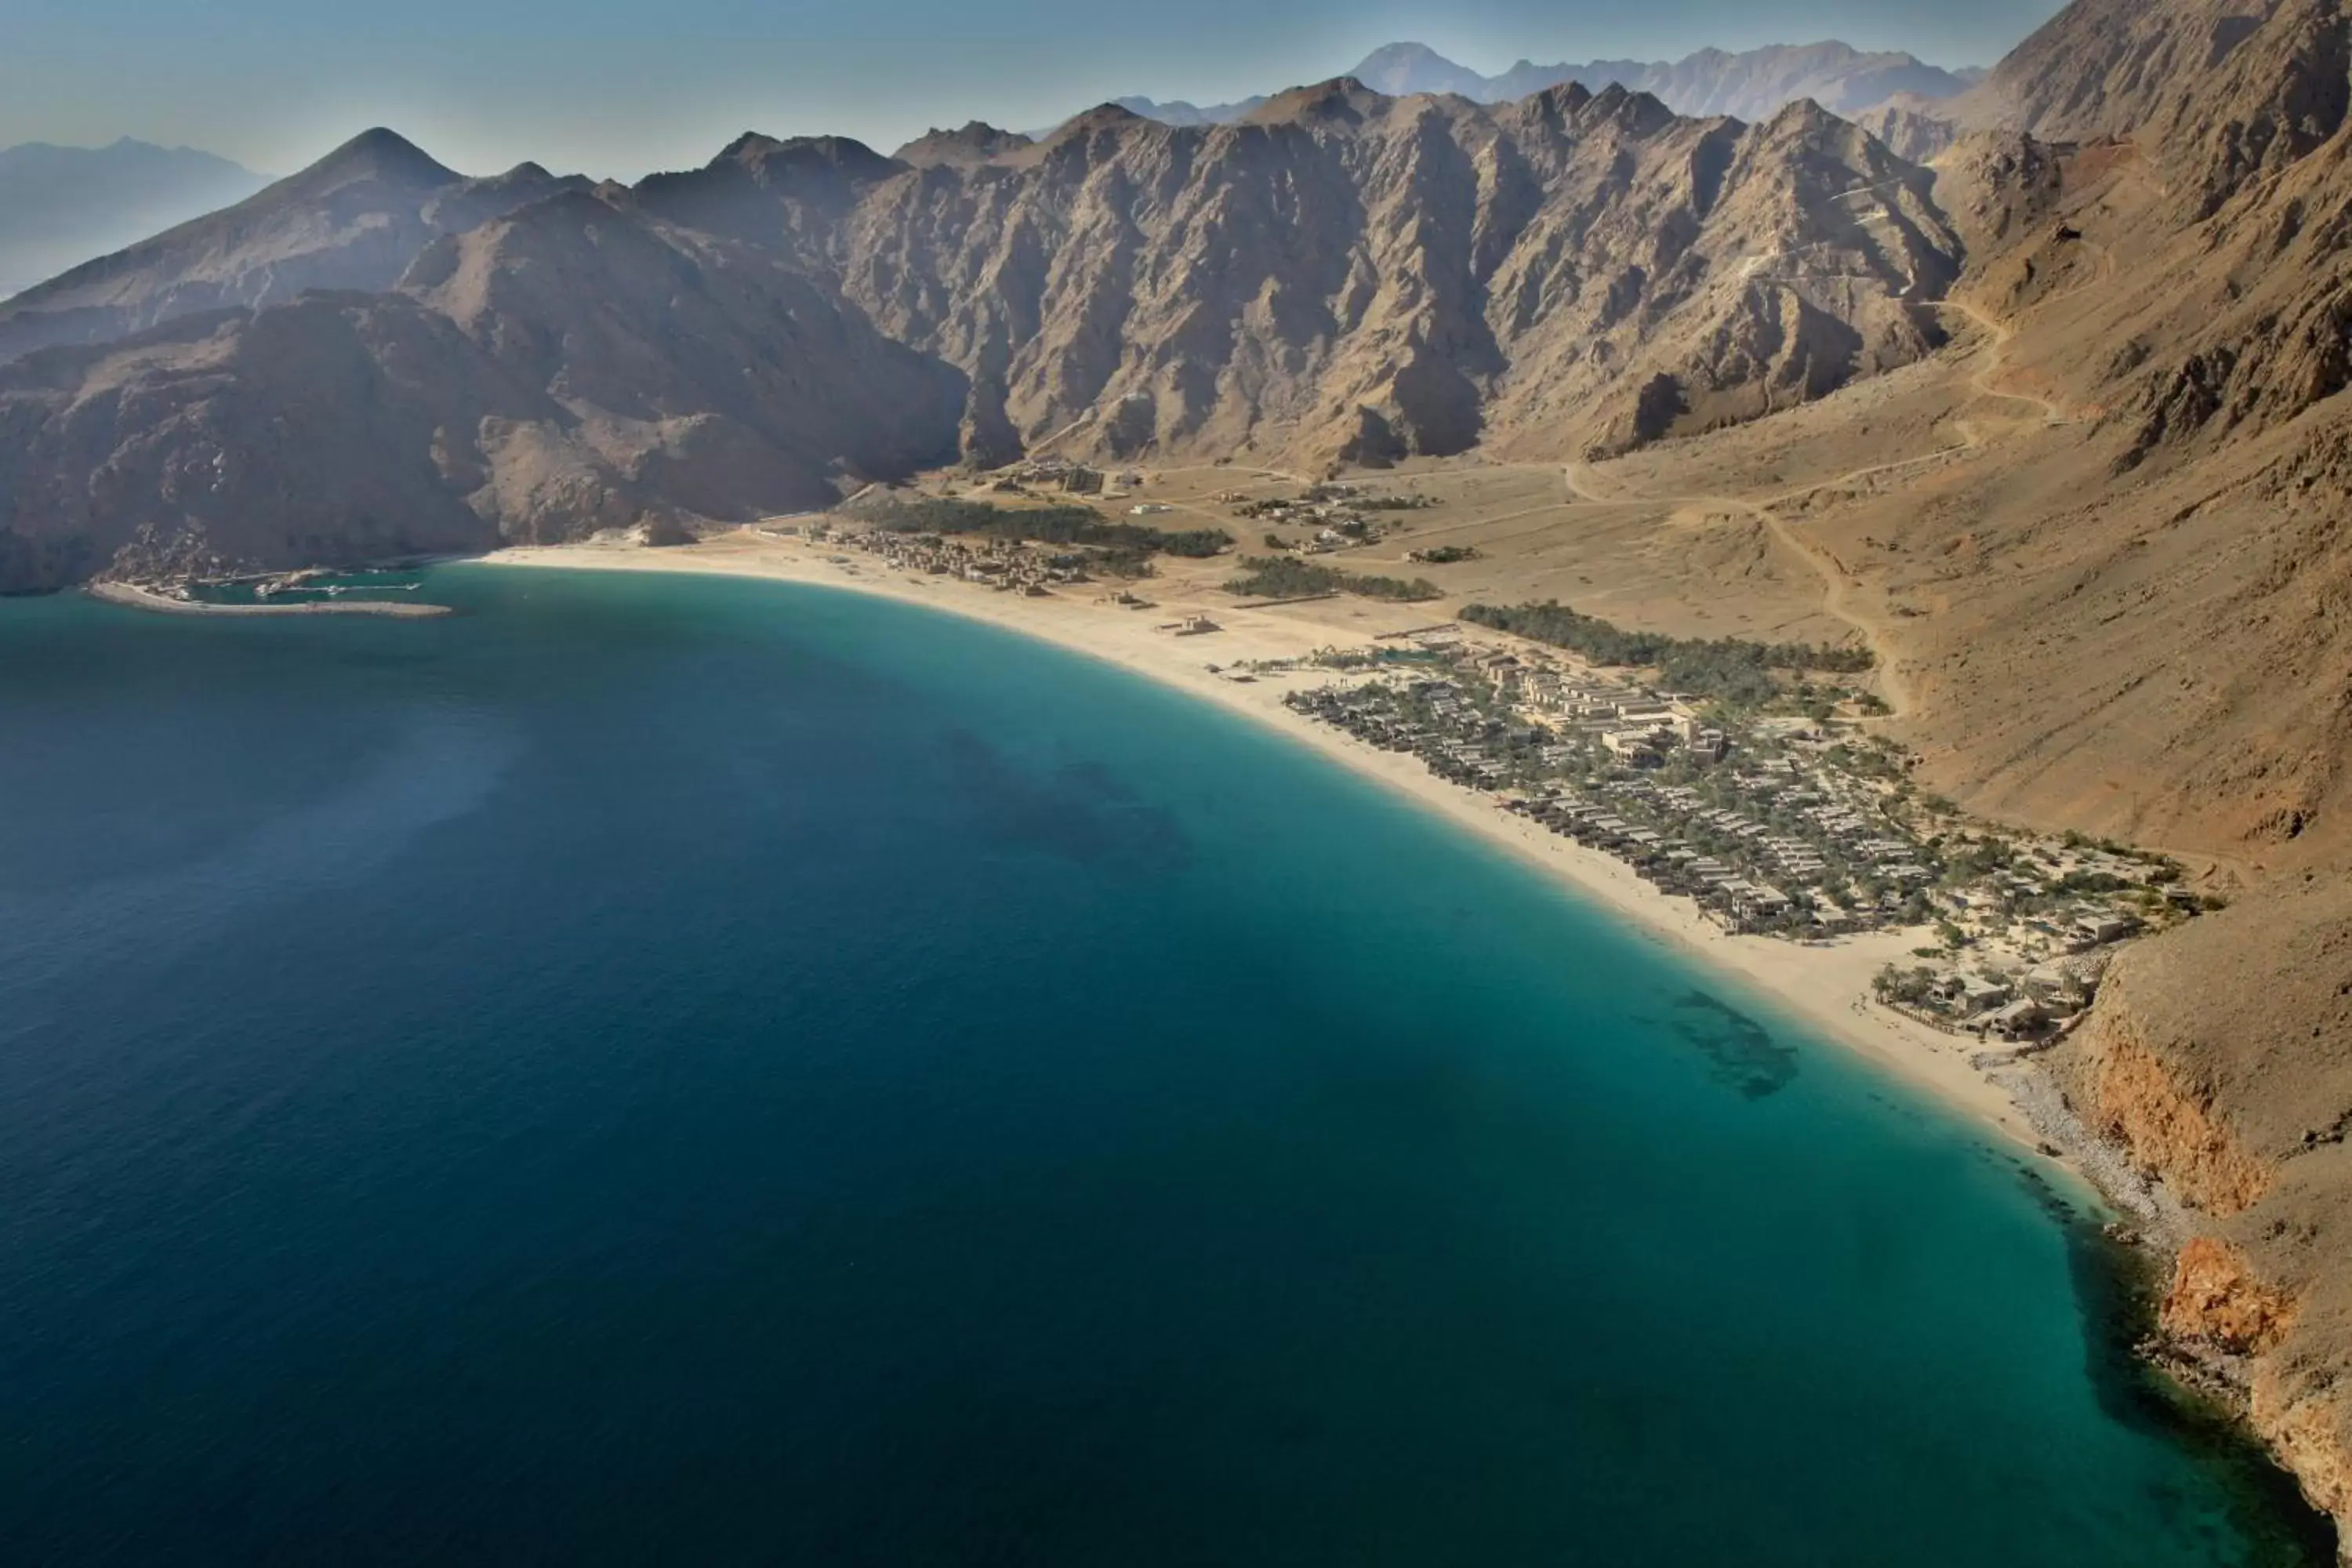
[(688, 1070)]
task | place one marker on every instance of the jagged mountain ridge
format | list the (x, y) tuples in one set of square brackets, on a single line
[(1342, 276), (1145, 282), (1752, 84)]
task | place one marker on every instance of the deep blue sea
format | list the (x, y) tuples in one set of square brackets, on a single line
[(694, 1071)]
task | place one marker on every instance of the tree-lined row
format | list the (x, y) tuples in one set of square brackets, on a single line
[(1727, 670), (1286, 577), (1042, 525)]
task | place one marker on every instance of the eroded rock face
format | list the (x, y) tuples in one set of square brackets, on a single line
[(2140, 1099), (2304, 1420), (2236, 110), (2217, 1297), (2220, 1054), (1513, 276)]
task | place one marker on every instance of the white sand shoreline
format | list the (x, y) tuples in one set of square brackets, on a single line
[(1825, 985)]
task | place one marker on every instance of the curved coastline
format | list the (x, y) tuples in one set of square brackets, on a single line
[(1374, 1124), (1825, 985), (133, 595), (2080, 1180)]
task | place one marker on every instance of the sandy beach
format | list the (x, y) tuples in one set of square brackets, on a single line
[(1825, 984)]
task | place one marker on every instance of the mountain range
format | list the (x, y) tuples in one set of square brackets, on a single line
[(1754, 84), (2058, 420), (378, 354), (61, 206)]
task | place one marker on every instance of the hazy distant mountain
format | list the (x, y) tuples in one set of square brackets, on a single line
[(1179, 112), (353, 220), (61, 206), (1403, 69), (1752, 86)]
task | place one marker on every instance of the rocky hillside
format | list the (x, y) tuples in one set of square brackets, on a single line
[(2178, 293), (1341, 276), (564, 368), (2219, 94), (1572, 269)]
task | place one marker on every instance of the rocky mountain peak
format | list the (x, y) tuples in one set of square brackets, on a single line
[(1802, 116), (377, 154), (750, 145), (1637, 113), (768, 157), (1401, 71), (1562, 103), (764, 190), (972, 142), (1101, 117), (1342, 101), (353, 220)]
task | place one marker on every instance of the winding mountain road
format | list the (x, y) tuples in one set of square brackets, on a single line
[(1838, 585)]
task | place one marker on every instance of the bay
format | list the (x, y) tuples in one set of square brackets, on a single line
[(683, 1069)]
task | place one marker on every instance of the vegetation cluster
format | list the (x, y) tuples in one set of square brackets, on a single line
[(1124, 544), (1278, 577), (1731, 670)]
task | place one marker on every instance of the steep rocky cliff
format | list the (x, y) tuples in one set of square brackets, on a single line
[(1345, 274), (2220, 1054)]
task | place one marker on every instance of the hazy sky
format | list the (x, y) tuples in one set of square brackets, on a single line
[(620, 87)]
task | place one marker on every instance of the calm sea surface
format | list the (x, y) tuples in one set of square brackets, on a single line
[(706, 1072)]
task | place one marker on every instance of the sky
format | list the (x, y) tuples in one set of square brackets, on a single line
[(619, 88)]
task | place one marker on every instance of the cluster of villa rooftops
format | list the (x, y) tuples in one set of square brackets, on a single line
[(1805, 825), (1773, 824), (1001, 564), (1761, 845)]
